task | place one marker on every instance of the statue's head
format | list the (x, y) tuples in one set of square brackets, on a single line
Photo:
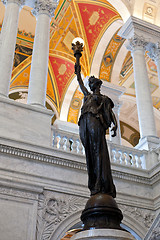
[(94, 83)]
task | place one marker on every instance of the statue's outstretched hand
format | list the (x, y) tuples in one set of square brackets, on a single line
[(77, 68), (114, 129)]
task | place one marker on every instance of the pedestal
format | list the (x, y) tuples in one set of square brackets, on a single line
[(103, 234), (101, 211)]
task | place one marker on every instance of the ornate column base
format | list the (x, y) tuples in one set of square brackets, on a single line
[(101, 211), (103, 234)]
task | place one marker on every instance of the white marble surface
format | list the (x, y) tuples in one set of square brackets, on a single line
[(103, 234), (25, 123)]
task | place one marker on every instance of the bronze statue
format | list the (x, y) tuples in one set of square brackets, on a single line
[(101, 210), (96, 117)]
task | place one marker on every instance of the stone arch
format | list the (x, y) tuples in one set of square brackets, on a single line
[(65, 225), (67, 99), (47, 99), (96, 62), (122, 8), (135, 227)]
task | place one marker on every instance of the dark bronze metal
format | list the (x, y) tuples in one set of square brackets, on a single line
[(101, 210)]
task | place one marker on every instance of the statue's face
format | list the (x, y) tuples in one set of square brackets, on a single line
[(93, 84)]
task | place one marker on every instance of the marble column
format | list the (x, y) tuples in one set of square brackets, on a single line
[(43, 11), (8, 42), (142, 88), (154, 54)]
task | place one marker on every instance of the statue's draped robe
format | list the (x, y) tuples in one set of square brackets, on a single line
[(95, 119)]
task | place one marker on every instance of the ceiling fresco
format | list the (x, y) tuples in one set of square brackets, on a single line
[(72, 19), (88, 20)]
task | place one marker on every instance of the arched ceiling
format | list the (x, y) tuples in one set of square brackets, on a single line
[(104, 55)]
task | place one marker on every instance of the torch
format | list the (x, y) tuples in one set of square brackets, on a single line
[(77, 47)]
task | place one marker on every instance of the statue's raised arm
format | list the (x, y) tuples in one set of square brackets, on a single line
[(77, 49), (79, 79)]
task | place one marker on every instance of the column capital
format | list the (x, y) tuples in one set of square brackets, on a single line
[(153, 51), (19, 2), (136, 43), (45, 7)]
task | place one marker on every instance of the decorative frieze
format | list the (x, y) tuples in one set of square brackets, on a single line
[(45, 7), (52, 210), (144, 216)]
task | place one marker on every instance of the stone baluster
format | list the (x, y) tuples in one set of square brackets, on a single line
[(139, 162), (43, 11), (142, 88), (134, 161), (123, 158), (8, 42), (128, 159)]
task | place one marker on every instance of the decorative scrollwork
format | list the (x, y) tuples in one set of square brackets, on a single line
[(52, 211), (19, 2), (45, 6), (153, 51), (143, 216), (136, 42)]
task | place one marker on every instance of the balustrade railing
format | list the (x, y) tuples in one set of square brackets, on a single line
[(127, 156), (67, 142), (122, 155)]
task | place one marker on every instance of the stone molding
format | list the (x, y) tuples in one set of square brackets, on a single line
[(135, 26), (45, 7), (19, 2), (17, 193), (63, 162), (26, 154), (53, 210)]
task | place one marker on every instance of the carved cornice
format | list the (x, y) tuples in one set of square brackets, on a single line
[(17, 152), (45, 7), (52, 210), (19, 2), (131, 177), (63, 162), (136, 26)]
